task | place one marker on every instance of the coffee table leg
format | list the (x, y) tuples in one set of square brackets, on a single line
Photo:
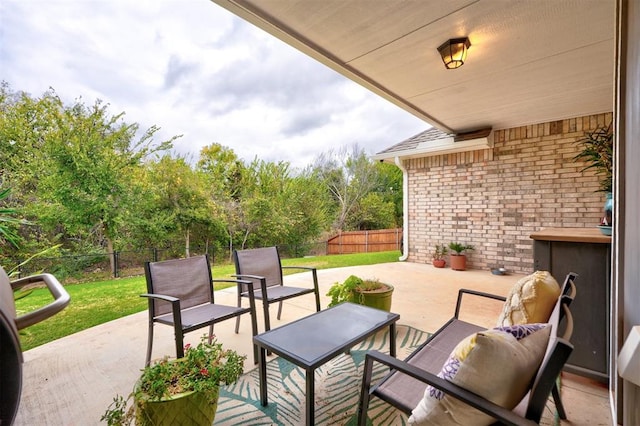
[(392, 339), (311, 398), (262, 368)]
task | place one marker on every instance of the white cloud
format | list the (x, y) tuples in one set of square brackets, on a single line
[(192, 68)]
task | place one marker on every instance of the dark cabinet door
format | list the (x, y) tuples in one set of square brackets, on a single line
[(590, 309)]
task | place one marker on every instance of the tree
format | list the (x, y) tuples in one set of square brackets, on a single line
[(224, 172), (92, 157), (278, 208), (348, 175), (224, 169), (372, 212), (24, 126), (179, 201), (8, 220), (389, 187)]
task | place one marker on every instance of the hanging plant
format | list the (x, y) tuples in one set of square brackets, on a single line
[(597, 151)]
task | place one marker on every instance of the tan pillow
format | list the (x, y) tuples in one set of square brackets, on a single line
[(496, 364), (530, 300)]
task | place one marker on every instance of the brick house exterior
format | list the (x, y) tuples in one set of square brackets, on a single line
[(494, 198)]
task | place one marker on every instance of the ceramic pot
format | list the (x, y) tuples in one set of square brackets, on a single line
[(439, 263), (608, 210), (458, 262), (188, 408), (378, 299)]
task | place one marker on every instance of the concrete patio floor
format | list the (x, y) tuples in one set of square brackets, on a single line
[(71, 381)]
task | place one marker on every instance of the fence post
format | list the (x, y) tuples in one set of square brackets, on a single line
[(116, 256)]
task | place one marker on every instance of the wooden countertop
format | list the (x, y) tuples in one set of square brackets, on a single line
[(577, 235)]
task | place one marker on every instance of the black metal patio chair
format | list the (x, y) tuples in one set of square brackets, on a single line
[(263, 268), (404, 386), (181, 295)]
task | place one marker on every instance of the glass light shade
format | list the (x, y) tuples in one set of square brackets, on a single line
[(454, 52)]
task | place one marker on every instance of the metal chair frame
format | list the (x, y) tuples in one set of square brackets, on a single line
[(175, 300)]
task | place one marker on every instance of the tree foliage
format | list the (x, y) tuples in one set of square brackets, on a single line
[(350, 177), (90, 181)]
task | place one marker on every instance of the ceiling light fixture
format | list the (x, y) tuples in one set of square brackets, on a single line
[(454, 52)]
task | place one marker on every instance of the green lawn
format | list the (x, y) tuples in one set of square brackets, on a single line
[(99, 302)]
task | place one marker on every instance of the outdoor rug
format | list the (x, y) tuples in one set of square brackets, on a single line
[(337, 386)]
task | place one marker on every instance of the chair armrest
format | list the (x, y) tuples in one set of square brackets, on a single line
[(263, 283), (161, 297), (500, 413), (221, 280), (60, 296), (307, 268), (175, 307), (314, 272), (175, 302), (251, 277), (464, 291), (238, 282)]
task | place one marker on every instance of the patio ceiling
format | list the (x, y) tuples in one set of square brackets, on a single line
[(529, 61)]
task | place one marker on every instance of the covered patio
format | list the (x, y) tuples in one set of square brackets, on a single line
[(71, 381)]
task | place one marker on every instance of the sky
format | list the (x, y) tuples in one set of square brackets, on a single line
[(194, 69)]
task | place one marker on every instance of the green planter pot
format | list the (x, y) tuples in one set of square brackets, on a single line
[(188, 408), (379, 299)]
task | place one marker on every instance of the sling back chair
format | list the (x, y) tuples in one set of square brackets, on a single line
[(181, 294), (263, 268), (403, 387), (10, 323)]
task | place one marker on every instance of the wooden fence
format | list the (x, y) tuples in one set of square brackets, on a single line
[(365, 241)]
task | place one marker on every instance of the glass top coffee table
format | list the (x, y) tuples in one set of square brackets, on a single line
[(312, 341)]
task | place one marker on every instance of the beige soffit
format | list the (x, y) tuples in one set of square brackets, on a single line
[(530, 61)]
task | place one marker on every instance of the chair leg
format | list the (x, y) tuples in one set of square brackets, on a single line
[(210, 333), (317, 301), (265, 309), (254, 332), (363, 404), (149, 345), (179, 343), (279, 310), (238, 317), (555, 392)]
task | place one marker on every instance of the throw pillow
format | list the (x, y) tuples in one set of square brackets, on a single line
[(497, 364), (531, 300)]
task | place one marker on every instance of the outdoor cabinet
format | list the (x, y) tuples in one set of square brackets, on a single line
[(586, 252)]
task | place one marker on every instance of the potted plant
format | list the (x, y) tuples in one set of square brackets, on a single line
[(597, 151), (368, 292), (457, 259), (179, 391), (438, 256)]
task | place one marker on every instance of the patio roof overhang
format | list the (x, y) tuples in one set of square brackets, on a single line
[(529, 62)]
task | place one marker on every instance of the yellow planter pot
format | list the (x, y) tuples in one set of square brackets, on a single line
[(188, 408)]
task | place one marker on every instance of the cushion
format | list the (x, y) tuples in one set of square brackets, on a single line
[(531, 300), (497, 364)]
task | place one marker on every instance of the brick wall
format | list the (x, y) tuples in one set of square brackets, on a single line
[(495, 198)]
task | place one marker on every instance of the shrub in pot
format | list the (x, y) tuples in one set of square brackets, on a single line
[(179, 391), (457, 259), (596, 150), (438, 256), (367, 292)]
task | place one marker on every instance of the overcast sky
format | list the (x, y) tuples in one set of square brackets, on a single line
[(193, 68)]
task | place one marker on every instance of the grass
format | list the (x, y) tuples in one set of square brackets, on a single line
[(102, 301)]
